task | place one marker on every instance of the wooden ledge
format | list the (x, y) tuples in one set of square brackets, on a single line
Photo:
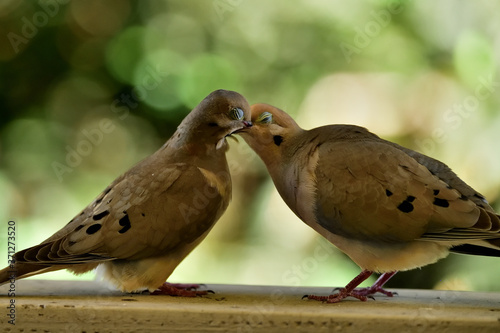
[(84, 306)]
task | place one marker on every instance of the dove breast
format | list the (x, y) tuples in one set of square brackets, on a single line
[(372, 200)]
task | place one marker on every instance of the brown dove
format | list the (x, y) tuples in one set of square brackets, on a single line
[(387, 207), (151, 217)]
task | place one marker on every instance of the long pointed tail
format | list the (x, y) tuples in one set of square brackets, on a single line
[(491, 248), (21, 271)]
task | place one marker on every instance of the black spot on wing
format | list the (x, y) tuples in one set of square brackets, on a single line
[(106, 191), (436, 192), (213, 124), (406, 206), (79, 227), (125, 223), (70, 221), (93, 228), (482, 198), (404, 167), (99, 216), (441, 202), (278, 139), (388, 193)]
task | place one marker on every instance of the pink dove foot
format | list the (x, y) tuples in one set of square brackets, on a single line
[(360, 293), (181, 290)]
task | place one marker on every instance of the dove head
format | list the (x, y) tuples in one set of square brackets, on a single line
[(219, 115), (272, 132)]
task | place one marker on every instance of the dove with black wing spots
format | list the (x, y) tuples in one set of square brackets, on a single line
[(387, 207), (150, 218)]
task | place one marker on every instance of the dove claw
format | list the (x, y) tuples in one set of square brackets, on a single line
[(360, 293), (181, 290), (335, 298)]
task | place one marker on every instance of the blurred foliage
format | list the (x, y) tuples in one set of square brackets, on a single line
[(88, 88)]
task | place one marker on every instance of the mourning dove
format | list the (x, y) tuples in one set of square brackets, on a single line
[(147, 221), (387, 207)]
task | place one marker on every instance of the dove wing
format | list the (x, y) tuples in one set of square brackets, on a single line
[(143, 213)]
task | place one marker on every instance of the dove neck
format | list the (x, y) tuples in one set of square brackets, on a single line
[(277, 151), (191, 146), (197, 141)]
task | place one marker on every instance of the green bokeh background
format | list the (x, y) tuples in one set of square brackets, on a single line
[(420, 73)]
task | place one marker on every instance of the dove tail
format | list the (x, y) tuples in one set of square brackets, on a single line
[(476, 250), (5, 275), (21, 271), (487, 247), (488, 222)]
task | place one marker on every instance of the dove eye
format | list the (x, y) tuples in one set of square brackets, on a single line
[(236, 114), (265, 118)]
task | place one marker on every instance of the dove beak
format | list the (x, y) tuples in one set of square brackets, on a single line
[(247, 124)]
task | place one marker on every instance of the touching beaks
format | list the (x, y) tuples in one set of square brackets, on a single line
[(247, 125)]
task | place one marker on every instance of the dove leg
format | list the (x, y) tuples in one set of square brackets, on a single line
[(345, 292), (377, 286), (178, 289)]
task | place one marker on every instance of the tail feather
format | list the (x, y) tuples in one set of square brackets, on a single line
[(21, 271), (491, 248)]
